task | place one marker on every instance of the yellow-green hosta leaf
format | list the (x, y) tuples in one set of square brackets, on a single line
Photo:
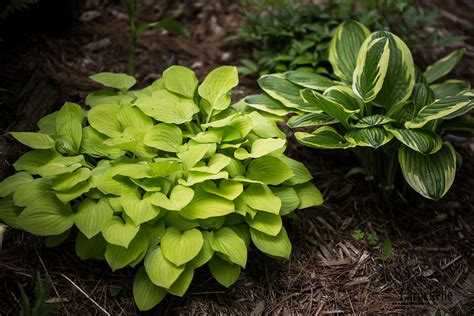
[(166, 137), (373, 120), (146, 294), (224, 272), (92, 144), (179, 197), (231, 245), (260, 197), (330, 107), (195, 154), (289, 199), (69, 124), (9, 185), (265, 127), (429, 175), (212, 136), (119, 257), (374, 136), (119, 232), (443, 66), (243, 125), (422, 140), (69, 180), (263, 102), (195, 177), (310, 119), (216, 86), (371, 67), (34, 159), (103, 118), (450, 88), (180, 248), (309, 80), (269, 170), (206, 252), (9, 212), (288, 93), (227, 189), (28, 192), (93, 248), (100, 97), (161, 272), (164, 168), (260, 147), (216, 163), (181, 285), (114, 80), (264, 222), (46, 216), (34, 140), (132, 170), (47, 124), (167, 107), (278, 246), (74, 192), (440, 109), (131, 116), (174, 219), (235, 168), (309, 195), (399, 80), (59, 165), (324, 137), (302, 174), (139, 210), (205, 205), (180, 80), (131, 139), (344, 47), (92, 216)]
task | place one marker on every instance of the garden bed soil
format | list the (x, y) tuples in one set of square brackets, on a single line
[(431, 264)]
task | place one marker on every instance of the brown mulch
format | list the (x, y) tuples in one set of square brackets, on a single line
[(431, 265)]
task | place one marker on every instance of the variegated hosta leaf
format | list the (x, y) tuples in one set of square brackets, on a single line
[(421, 96), (309, 80), (463, 125), (288, 93), (443, 66), (400, 77), (441, 108), (375, 137), (450, 88), (371, 67), (429, 175), (421, 140), (310, 119), (324, 137), (345, 45), (330, 106), (373, 120), (265, 103), (346, 97)]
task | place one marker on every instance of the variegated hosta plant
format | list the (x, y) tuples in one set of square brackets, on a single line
[(166, 179), (380, 105)]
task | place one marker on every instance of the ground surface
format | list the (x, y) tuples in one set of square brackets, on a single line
[(431, 267)]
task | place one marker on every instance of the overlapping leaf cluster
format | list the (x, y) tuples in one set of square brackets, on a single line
[(380, 101), (168, 178)]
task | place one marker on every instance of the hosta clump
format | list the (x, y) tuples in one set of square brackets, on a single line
[(383, 108), (168, 178)]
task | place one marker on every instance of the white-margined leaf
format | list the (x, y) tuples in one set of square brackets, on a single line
[(422, 140), (325, 137), (374, 136), (443, 66)]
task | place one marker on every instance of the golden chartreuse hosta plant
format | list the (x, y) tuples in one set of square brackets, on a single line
[(380, 105), (165, 179)]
